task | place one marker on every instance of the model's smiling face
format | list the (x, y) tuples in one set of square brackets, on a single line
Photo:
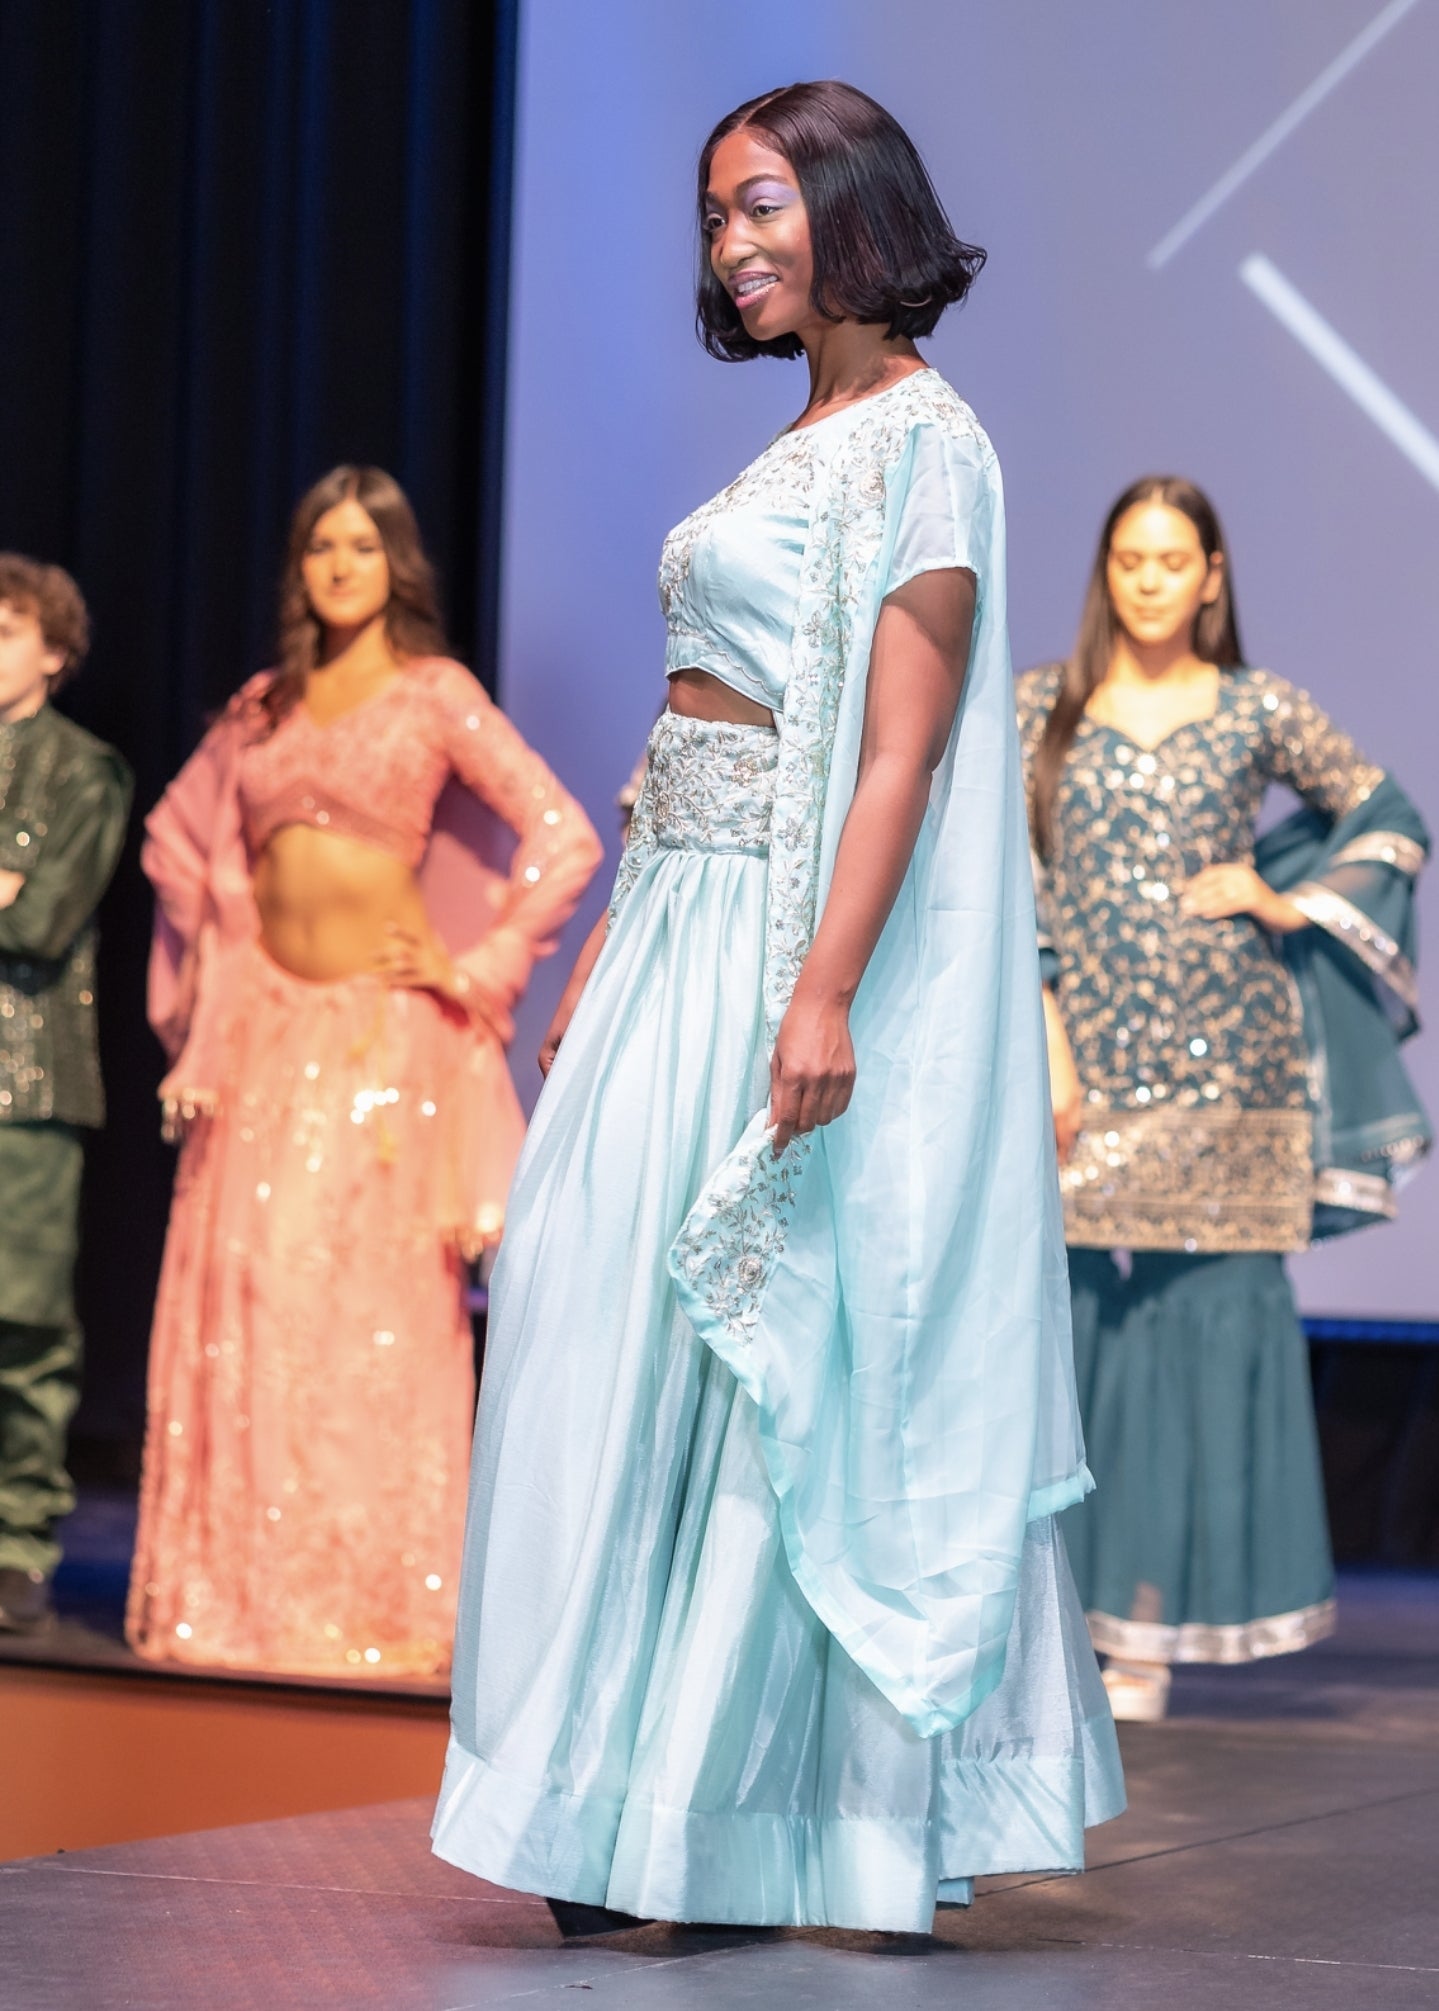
[(345, 569), (757, 232), (1159, 576)]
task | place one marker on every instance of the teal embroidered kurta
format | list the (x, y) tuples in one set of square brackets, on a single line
[(1205, 1127)]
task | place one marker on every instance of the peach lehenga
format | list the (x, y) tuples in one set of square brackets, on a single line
[(344, 1147)]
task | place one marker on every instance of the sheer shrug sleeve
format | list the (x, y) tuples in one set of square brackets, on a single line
[(556, 852)]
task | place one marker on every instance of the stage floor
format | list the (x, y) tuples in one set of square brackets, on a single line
[(1281, 1850)]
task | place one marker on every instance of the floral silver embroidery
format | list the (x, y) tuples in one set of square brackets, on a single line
[(728, 1261), (782, 475), (711, 784), (639, 847), (707, 786)]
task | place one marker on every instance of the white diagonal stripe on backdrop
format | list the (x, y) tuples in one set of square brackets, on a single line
[(1348, 59), (1345, 365)]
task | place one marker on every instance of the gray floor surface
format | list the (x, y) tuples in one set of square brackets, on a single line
[(1281, 1849)]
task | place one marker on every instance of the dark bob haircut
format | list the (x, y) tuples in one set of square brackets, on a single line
[(883, 247)]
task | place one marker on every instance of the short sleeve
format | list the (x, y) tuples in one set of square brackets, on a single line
[(941, 505), (556, 852)]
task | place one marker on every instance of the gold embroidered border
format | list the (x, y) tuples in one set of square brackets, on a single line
[(1382, 848), (1348, 924), (1366, 1193), (1195, 1641), (1202, 1180)]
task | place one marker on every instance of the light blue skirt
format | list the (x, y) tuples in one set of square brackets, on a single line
[(648, 1715)]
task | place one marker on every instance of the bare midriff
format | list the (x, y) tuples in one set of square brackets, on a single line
[(325, 902), (695, 694)]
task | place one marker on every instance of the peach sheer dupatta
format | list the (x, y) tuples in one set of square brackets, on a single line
[(194, 856), (510, 853)]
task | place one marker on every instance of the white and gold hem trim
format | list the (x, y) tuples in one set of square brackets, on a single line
[(1198, 1641)]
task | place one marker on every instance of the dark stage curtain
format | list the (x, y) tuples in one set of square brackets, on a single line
[(240, 240), (1378, 1411)]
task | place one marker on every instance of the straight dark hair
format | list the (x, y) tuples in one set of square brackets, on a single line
[(1216, 636), (412, 618), (883, 247)]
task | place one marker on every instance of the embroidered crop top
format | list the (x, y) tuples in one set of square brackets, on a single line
[(376, 772), (729, 579)]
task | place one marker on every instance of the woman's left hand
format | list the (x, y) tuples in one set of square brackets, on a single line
[(415, 962), (811, 1076), (1218, 891)]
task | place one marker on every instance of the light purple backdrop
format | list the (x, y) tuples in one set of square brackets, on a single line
[(1276, 343)]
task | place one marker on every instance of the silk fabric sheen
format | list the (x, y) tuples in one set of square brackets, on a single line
[(718, 1656), (893, 1292)]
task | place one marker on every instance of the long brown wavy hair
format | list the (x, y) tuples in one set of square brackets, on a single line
[(1215, 640), (413, 622)]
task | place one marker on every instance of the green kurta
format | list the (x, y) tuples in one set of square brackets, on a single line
[(64, 802)]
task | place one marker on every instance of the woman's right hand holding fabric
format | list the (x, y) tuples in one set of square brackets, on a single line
[(812, 1069)]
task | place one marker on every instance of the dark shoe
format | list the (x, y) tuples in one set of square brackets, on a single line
[(575, 1921), (25, 1606)]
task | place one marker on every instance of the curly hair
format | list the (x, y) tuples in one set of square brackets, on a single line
[(49, 593)]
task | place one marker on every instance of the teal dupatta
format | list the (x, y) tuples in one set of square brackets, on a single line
[(892, 1290), (1354, 968)]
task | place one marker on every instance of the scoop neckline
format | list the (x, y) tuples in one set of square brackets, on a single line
[(858, 404), (339, 718), (1153, 746)]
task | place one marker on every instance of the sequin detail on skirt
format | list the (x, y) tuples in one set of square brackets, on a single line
[(311, 1374)]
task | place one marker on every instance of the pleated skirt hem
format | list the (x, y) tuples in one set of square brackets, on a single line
[(1005, 1814), (1206, 1540)]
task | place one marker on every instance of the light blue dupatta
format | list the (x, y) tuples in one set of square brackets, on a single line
[(892, 1292)]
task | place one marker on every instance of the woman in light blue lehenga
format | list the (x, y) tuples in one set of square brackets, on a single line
[(764, 1617)]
